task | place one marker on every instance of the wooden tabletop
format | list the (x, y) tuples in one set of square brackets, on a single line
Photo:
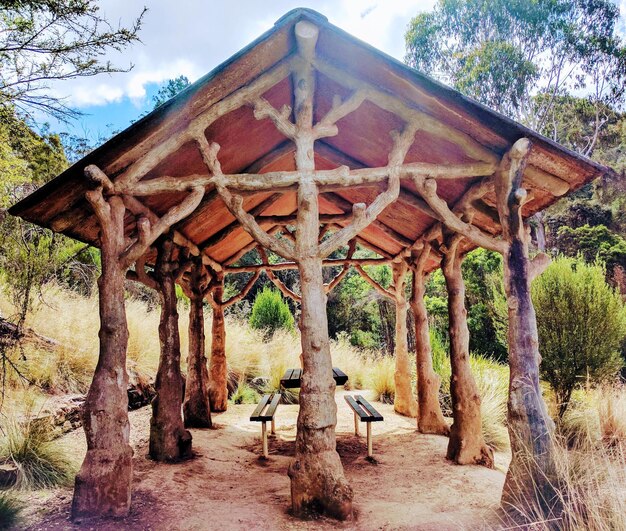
[(292, 378)]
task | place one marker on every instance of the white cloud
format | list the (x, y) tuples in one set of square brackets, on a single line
[(198, 35)]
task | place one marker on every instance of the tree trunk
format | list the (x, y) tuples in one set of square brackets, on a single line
[(218, 382), (169, 440), (430, 418), (532, 473), (466, 445), (196, 408), (103, 485), (404, 401)]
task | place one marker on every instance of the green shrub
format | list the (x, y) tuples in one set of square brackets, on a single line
[(270, 312), (581, 322), (41, 462), (364, 339), (244, 394), (10, 510)]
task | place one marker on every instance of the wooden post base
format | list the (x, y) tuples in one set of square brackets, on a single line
[(103, 485)]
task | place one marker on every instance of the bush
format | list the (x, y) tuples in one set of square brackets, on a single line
[(10, 510), (41, 462), (581, 323), (270, 312)]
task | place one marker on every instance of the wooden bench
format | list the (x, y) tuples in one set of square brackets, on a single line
[(263, 413), (365, 412)]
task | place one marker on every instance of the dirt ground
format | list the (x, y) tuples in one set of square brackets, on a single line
[(227, 486)]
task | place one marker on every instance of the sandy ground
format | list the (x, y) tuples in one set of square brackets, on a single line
[(227, 486)]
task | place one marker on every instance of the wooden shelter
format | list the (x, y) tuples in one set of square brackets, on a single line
[(307, 142)]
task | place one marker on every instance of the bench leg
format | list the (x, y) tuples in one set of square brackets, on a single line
[(369, 439), (356, 424), (264, 436), (273, 426)]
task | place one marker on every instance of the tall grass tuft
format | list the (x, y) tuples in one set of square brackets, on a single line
[(381, 380), (590, 486), (41, 462), (10, 509), (244, 394)]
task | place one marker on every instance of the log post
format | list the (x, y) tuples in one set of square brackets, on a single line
[(466, 445), (196, 408), (103, 484), (218, 368), (430, 418), (317, 478), (169, 440), (404, 401), (532, 469)]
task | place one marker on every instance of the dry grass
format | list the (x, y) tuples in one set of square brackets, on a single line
[(590, 486)]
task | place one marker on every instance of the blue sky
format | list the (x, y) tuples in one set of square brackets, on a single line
[(195, 36)]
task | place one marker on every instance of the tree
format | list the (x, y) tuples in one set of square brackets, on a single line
[(170, 89), (506, 53), (581, 323), (55, 40), (270, 312)]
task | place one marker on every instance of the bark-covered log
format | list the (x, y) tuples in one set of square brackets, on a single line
[(103, 484), (430, 418), (196, 408), (532, 469), (404, 401), (169, 440), (218, 368), (317, 478), (466, 445)]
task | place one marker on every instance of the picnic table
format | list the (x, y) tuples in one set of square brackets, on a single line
[(292, 378)]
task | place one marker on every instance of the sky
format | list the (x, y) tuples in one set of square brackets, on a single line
[(191, 37)]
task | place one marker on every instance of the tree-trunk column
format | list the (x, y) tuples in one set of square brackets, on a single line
[(466, 445), (218, 381), (103, 484), (317, 479), (404, 401), (169, 440), (430, 418), (531, 474), (196, 409)]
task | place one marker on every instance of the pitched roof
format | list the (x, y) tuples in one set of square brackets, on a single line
[(456, 130)]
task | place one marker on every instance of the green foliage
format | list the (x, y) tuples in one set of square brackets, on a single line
[(504, 53), (270, 312), (54, 40), (171, 88), (593, 243), (10, 509), (41, 462), (244, 394), (581, 323)]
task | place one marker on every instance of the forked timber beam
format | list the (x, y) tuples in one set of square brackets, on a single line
[(276, 181), (240, 97), (346, 206), (392, 104), (328, 262), (138, 208), (223, 233), (274, 279), (234, 203)]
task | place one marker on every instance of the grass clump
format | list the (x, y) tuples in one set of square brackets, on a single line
[(244, 394), (10, 509), (590, 486), (40, 461), (382, 381)]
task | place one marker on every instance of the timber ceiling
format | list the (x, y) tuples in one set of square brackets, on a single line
[(250, 145)]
